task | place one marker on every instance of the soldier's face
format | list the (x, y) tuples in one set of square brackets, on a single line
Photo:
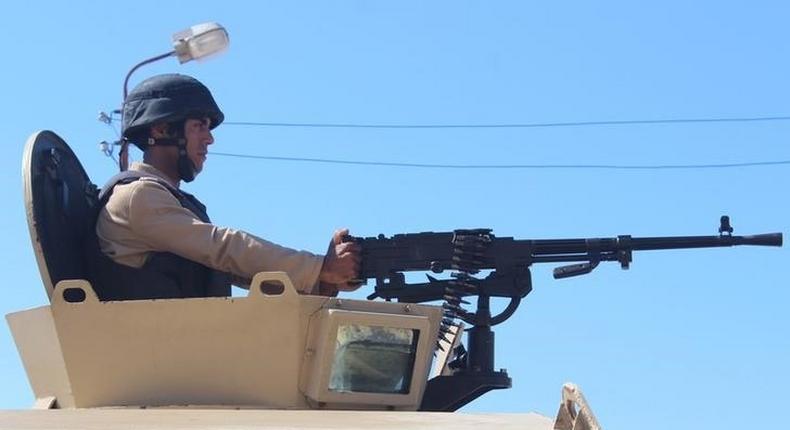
[(198, 135)]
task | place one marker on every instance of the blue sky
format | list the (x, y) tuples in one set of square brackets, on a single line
[(686, 339)]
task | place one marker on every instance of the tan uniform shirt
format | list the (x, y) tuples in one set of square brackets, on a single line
[(144, 217)]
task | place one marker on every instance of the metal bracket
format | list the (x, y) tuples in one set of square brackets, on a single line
[(575, 412), (450, 393), (50, 402)]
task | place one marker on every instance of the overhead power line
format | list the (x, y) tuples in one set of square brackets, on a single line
[(509, 166), (513, 125), (509, 125)]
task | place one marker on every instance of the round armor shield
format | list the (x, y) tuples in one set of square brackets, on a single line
[(60, 204)]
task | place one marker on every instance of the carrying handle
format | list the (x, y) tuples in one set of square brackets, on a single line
[(74, 292), (259, 287)]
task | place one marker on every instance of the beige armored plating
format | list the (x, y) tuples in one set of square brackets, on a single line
[(265, 350)]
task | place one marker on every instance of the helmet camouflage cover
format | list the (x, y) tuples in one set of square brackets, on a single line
[(167, 98)]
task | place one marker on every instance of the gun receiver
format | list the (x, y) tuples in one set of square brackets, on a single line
[(467, 252)]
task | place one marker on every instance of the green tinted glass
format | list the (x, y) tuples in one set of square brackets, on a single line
[(373, 359)]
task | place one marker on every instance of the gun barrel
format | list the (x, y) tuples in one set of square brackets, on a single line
[(558, 247), (680, 242), (768, 239)]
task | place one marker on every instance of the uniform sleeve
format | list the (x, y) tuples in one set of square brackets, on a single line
[(158, 220)]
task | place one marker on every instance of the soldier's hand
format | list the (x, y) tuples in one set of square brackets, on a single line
[(341, 263)]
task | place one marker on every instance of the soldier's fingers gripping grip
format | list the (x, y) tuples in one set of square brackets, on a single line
[(346, 245), (355, 247), (339, 236), (351, 248), (341, 263)]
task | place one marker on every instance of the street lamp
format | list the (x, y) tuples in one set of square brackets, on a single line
[(194, 43)]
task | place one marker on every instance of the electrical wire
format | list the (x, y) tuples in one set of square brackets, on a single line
[(514, 125), (509, 166)]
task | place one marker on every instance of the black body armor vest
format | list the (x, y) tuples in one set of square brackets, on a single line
[(164, 275)]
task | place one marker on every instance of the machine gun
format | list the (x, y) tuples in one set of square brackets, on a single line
[(467, 253)]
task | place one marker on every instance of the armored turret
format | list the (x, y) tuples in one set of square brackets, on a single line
[(273, 349)]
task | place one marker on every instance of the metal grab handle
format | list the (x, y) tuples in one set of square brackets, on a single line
[(256, 290), (73, 291)]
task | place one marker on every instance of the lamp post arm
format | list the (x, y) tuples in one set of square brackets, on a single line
[(141, 64)]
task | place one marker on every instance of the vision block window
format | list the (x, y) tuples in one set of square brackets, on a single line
[(373, 359)]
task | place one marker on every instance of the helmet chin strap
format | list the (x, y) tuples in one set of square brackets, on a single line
[(186, 168)]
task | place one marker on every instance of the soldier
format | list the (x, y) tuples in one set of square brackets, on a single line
[(156, 241)]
